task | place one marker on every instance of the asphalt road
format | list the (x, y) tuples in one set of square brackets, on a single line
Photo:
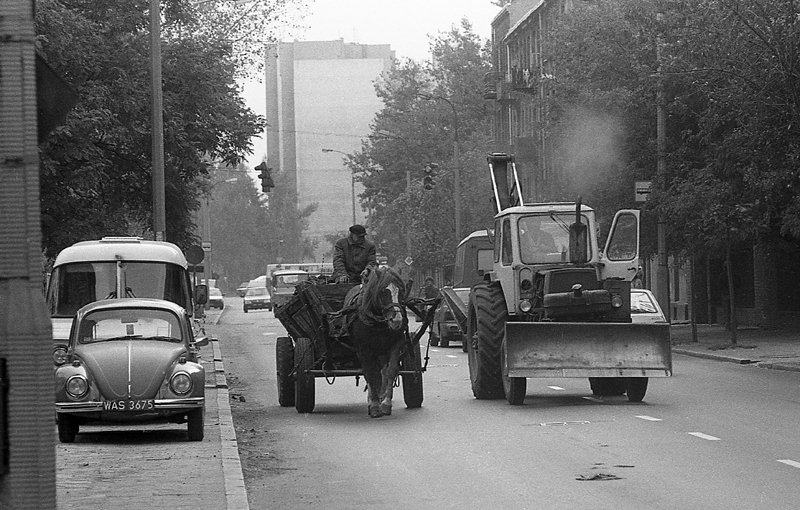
[(714, 436)]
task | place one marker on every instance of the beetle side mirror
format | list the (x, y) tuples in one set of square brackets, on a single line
[(201, 341), (201, 294)]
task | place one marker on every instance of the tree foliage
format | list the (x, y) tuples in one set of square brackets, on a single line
[(731, 91), (249, 229), (96, 167), (425, 105)]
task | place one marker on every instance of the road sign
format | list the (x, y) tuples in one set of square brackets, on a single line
[(408, 261), (641, 190), (194, 254)]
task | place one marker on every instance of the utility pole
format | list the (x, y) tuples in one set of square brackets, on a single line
[(159, 208), (662, 272)]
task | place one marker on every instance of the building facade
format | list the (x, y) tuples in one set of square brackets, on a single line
[(321, 95), (697, 288)]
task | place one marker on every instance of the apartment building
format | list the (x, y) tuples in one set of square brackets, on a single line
[(321, 95)]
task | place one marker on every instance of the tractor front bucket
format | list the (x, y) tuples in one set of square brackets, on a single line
[(587, 349)]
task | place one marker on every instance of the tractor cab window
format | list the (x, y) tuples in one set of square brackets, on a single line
[(623, 244), (507, 255), (544, 238)]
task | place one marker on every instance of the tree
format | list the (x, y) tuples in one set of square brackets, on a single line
[(417, 126), (96, 168), (250, 229)]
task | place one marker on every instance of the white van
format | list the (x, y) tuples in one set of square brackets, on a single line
[(117, 267)]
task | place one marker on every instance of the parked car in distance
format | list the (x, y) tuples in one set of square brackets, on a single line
[(444, 328), (215, 298), (257, 298), (645, 308), (130, 360), (242, 288)]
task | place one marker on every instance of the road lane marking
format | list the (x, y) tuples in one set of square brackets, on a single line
[(557, 388), (648, 418), (452, 356), (704, 436), (789, 462)]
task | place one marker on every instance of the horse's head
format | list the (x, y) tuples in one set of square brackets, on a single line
[(381, 298)]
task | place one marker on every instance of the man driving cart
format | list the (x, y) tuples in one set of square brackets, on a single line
[(353, 256)]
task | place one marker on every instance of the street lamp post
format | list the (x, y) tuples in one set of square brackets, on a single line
[(352, 184), (456, 163)]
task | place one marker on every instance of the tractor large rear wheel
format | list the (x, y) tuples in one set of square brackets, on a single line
[(303, 381), (485, 332), (284, 359)]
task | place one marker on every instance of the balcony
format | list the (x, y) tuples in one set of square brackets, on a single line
[(524, 80)]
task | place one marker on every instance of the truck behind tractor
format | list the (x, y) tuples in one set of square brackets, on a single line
[(554, 305)]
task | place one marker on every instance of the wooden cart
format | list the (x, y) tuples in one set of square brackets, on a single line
[(318, 345)]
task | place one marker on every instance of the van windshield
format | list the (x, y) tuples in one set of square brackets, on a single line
[(75, 285)]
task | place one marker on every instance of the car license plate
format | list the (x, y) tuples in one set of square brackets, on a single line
[(129, 405)]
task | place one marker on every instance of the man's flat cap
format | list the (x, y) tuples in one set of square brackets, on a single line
[(358, 230)]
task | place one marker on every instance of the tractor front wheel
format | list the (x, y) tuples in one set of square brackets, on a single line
[(485, 331)]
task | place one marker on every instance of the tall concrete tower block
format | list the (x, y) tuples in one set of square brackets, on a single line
[(321, 95)]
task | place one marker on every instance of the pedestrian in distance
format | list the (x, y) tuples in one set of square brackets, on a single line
[(353, 256), (429, 290)]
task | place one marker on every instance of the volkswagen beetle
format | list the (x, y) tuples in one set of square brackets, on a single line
[(130, 360)]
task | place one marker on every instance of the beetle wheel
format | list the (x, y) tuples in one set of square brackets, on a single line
[(67, 428), (195, 424)]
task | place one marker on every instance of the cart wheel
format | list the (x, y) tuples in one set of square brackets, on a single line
[(284, 360), (412, 383), (195, 419), (304, 382), (67, 428), (514, 387), (636, 388)]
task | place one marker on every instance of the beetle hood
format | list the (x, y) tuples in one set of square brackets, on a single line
[(132, 369)]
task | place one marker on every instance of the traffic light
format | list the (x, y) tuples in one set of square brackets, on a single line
[(266, 178), (427, 181)]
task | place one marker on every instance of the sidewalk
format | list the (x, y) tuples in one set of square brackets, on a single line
[(777, 349)]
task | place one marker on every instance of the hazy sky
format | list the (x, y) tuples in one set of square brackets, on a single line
[(404, 24)]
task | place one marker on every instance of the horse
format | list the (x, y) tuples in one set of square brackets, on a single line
[(378, 332)]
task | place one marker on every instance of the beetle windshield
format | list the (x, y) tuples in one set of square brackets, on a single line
[(129, 324)]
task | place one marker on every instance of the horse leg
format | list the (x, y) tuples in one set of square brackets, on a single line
[(390, 372), (372, 375)]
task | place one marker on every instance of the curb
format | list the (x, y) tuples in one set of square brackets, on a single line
[(738, 361), (235, 489)]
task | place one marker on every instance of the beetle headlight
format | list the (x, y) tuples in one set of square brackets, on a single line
[(525, 306), (60, 355), (616, 301), (181, 383), (77, 386)]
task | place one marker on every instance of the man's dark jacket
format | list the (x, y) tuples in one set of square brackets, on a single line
[(350, 258)]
